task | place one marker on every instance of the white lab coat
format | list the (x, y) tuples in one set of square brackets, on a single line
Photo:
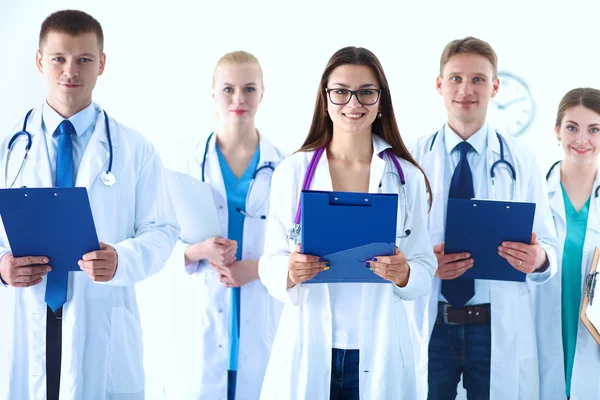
[(514, 357), (201, 330), (101, 347), (585, 383), (300, 364)]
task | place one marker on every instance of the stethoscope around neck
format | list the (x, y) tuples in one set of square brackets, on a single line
[(498, 163), (596, 191), (107, 177), (267, 166), (294, 233)]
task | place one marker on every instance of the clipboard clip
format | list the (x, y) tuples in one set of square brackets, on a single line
[(294, 233), (590, 285)]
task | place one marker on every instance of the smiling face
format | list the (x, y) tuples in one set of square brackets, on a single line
[(353, 117), (579, 133), (70, 65), (237, 91), (467, 85)]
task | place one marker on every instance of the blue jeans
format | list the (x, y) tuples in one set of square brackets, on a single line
[(456, 350), (344, 375)]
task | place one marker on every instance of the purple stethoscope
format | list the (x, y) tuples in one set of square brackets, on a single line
[(294, 232)]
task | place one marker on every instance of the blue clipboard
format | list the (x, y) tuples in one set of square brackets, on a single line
[(347, 229), (52, 222), (480, 226)]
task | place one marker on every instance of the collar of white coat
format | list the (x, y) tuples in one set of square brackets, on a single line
[(34, 124), (268, 152), (490, 139), (557, 203), (478, 140), (379, 144)]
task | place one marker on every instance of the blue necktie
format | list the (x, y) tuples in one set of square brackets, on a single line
[(458, 291), (57, 282)]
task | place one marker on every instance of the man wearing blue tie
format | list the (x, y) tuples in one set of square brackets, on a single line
[(77, 335), (481, 330)]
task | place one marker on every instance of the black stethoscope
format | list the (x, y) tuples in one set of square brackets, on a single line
[(502, 160), (107, 177), (268, 166), (596, 191)]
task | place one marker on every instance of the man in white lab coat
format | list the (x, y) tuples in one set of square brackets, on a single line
[(82, 339), (482, 331)]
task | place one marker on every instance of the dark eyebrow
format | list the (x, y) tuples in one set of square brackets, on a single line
[(590, 125), (361, 87), (573, 122)]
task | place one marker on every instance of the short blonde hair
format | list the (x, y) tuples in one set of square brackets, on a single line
[(236, 58)]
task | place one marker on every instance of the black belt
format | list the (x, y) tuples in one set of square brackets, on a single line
[(53, 352), (476, 314)]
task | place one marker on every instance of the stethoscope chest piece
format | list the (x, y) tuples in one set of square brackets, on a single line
[(108, 178)]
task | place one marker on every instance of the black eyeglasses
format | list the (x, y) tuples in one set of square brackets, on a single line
[(366, 97)]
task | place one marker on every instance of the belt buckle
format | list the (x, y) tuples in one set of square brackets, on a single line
[(445, 312)]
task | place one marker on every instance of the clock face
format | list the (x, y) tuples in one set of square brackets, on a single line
[(513, 108)]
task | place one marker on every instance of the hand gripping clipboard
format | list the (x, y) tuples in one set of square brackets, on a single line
[(590, 298)]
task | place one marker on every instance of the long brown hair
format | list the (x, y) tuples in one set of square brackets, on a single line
[(321, 128)]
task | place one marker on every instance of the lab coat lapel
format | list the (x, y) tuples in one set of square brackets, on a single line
[(503, 190), (322, 177), (96, 155), (555, 195), (593, 214), (433, 164), (37, 172), (212, 169)]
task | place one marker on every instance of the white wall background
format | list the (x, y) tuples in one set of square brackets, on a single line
[(160, 58)]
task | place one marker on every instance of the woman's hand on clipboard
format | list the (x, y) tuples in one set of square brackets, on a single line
[(302, 267), (392, 268)]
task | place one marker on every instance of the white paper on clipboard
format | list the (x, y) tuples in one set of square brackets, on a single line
[(195, 207)]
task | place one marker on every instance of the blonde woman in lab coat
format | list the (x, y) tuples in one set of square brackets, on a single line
[(569, 355), (347, 341), (225, 331)]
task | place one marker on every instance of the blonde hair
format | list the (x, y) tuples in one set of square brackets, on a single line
[(236, 58)]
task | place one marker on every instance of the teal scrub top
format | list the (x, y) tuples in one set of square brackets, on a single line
[(237, 190), (571, 280)]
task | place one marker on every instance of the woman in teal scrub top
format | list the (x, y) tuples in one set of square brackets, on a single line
[(235, 317), (569, 356)]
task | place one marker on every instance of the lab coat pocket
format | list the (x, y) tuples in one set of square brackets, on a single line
[(126, 371), (403, 336), (522, 309)]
